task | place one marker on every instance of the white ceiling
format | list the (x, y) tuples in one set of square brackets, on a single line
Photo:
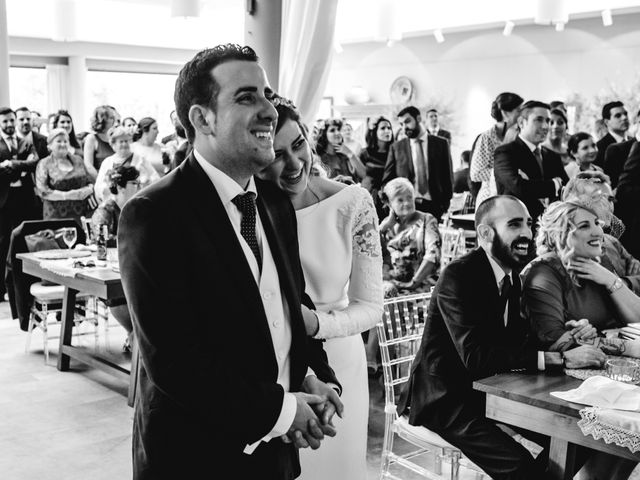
[(148, 22)]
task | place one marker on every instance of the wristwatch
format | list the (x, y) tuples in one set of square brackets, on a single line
[(616, 285)]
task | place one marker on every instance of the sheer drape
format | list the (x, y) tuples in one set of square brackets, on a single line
[(56, 87), (306, 52)]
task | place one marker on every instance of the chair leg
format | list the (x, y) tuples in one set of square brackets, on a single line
[(32, 321), (437, 465), (387, 445), (455, 465), (45, 332)]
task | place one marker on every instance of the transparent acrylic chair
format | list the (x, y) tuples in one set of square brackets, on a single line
[(399, 336)]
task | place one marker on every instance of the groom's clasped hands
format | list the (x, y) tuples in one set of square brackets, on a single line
[(316, 406)]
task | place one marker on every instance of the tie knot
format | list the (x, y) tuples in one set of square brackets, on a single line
[(245, 202)]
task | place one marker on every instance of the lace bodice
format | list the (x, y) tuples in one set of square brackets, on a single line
[(342, 262)]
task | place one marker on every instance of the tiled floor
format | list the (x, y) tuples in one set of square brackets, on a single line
[(77, 425)]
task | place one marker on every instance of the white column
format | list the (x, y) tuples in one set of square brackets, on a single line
[(5, 100), (262, 31), (77, 92)]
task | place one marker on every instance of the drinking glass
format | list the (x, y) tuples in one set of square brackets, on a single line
[(70, 235), (623, 370)]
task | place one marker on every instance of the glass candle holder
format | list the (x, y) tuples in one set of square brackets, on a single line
[(623, 370)]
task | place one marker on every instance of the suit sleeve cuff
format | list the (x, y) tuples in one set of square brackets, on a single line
[(284, 422)]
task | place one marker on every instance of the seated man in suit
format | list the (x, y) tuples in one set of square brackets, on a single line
[(617, 154), (616, 119), (474, 330), (523, 169), (461, 176), (628, 199), (425, 160)]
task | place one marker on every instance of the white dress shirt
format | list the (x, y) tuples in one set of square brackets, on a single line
[(414, 158), (271, 295)]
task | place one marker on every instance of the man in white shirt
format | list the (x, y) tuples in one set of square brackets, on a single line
[(210, 267), (433, 125)]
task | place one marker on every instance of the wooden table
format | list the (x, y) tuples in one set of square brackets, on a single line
[(102, 283), (524, 401)]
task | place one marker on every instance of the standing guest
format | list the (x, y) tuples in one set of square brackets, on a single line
[(200, 404), (130, 125), (614, 159), (505, 110), (144, 144), (50, 126), (96, 144), (18, 201), (411, 242), (557, 139), (175, 121), (461, 179), (474, 330), (124, 183), (30, 141), (425, 160), (583, 151), (628, 199), (37, 121), (616, 119), (433, 125), (534, 175), (349, 141), (558, 105), (177, 150), (63, 120), (339, 160), (120, 141), (374, 156), (62, 181), (342, 270)]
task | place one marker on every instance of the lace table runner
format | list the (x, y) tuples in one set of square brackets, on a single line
[(613, 426)]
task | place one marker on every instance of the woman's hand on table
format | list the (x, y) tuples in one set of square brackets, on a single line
[(584, 356), (587, 269)]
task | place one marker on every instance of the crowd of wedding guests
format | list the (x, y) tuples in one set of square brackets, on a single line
[(555, 217)]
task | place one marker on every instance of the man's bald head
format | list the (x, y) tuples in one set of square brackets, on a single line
[(493, 207)]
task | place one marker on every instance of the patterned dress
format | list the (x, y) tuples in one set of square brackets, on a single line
[(482, 164), (407, 249), (50, 177)]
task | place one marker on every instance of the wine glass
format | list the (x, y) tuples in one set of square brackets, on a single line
[(70, 235)]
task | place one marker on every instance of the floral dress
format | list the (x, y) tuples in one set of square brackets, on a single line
[(407, 249), (50, 177)]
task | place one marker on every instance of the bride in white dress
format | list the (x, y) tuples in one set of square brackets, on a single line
[(342, 264)]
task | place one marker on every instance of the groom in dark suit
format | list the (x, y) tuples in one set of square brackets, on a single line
[(474, 330), (524, 169), (229, 379), (423, 159)]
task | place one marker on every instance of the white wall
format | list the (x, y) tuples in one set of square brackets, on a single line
[(469, 69)]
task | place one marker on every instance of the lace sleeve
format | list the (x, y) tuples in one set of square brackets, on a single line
[(365, 291)]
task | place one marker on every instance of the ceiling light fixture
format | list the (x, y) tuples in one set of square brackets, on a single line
[(551, 12), (607, 18), (508, 28), (185, 8), (437, 33)]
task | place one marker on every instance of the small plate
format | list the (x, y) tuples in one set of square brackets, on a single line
[(61, 253)]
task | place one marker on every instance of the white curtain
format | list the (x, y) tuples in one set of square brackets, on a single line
[(56, 88), (306, 52)]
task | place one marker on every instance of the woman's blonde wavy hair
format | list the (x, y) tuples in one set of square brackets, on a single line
[(555, 228)]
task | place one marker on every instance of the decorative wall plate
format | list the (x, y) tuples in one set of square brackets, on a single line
[(401, 90)]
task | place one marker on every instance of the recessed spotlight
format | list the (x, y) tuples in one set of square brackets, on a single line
[(438, 35), (508, 28), (607, 18)]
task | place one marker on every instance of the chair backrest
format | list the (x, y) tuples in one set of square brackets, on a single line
[(458, 202), (87, 228), (17, 282), (399, 336), (453, 245)]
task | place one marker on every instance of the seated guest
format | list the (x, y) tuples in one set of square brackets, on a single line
[(474, 330), (338, 158), (567, 281), (62, 181), (583, 152), (594, 193), (374, 156), (123, 182), (461, 176), (410, 242), (120, 141)]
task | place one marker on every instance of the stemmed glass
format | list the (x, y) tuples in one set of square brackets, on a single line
[(70, 235)]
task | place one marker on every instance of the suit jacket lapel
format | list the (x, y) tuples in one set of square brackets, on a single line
[(489, 279), (529, 164), (213, 217)]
